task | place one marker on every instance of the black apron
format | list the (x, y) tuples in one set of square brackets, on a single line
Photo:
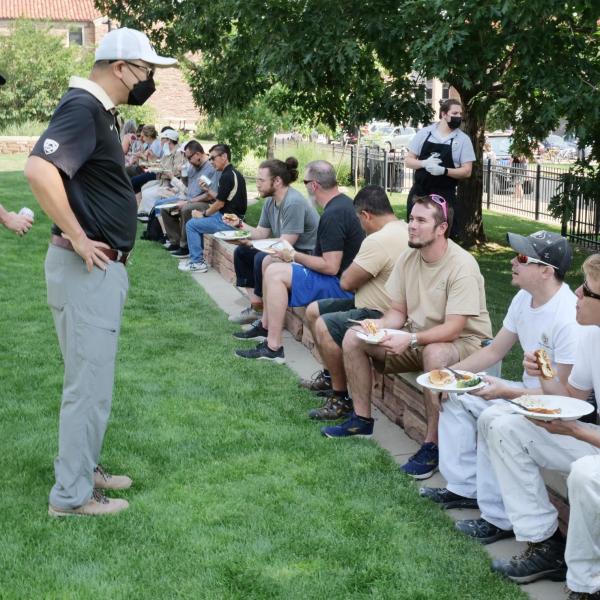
[(425, 183)]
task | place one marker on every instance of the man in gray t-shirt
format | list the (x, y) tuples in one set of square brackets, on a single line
[(286, 215)]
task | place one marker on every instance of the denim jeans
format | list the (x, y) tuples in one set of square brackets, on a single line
[(195, 230)]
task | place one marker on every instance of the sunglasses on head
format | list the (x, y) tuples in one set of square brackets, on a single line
[(527, 260), (441, 201), (588, 293)]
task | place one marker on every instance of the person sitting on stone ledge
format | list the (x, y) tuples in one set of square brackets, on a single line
[(286, 215), (540, 316), (309, 277), (520, 447), (175, 219), (328, 320), (438, 297)]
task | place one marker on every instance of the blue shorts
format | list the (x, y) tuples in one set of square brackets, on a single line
[(308, 286)]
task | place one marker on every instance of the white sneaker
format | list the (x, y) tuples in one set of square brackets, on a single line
[(193, 267)]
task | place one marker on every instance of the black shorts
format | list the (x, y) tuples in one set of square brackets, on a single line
[(335, 313)]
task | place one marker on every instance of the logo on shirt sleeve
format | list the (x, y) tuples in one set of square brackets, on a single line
[(50, 146)]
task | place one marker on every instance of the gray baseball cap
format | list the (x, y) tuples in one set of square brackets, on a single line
[(546, 246)]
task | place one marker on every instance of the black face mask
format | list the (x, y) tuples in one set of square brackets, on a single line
[(141, 91), (454, 122)]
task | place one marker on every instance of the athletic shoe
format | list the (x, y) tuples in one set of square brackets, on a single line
[(181, 253), (319, 382), (106, 481), (542, 560), (483, 531), (336, 407), (193, 267), (354, 426), (143, 217), (263, 352), (583, 595), (248, 315), (256, 332), (169, 245), (424, 463), (97, 505), (447, 499)]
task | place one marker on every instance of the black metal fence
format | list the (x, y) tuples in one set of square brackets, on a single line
[(522, 190)]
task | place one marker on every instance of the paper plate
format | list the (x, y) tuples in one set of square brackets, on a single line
[(375, 339), (264, 245), (423, 380), (231, 235), (570, 408)]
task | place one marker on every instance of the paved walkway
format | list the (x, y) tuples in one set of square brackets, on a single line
[(387, 434)]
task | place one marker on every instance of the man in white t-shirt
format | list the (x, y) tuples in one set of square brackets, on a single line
[(520, 447), (541, 315)]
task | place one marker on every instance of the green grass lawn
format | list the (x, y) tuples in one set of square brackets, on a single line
[(236, 495)]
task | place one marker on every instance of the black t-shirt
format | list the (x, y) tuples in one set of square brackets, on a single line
[(339, 230), (232, 191), (82, 141)]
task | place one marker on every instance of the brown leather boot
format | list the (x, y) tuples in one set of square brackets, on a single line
[(106, 481), (96, 506)]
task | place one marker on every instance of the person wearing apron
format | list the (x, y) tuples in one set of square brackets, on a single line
[(441, 154)]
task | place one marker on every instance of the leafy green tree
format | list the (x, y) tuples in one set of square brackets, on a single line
[(341, 61), (37, 67)]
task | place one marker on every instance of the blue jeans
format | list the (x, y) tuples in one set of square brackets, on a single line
[(196, 228)]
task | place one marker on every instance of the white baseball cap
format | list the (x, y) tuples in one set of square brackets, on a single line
[(130, 44), (170, 134)]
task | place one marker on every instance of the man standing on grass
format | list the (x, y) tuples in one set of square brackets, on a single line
[(541, 315), (20, 224), (328, 320), (438, 296), (77, 173), (520, 448), (310, 277)]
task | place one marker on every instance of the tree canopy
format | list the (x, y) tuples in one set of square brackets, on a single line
[(538, 61)]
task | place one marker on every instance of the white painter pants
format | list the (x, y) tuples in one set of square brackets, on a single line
[(518, 449)]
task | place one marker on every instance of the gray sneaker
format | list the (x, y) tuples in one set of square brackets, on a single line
[(248, 315)]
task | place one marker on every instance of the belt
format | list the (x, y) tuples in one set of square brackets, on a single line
[(114, 255)]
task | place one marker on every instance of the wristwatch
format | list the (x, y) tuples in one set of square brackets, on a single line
[(204, 213), (413, 341)]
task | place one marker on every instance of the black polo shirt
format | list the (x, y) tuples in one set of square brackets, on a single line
[(232, 191), (339, 230), (82, 141)]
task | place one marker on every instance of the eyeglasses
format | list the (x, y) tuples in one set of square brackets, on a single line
[(212, 157), (527, 260), (440, 201), (588, 293), (148, 70), (307, 181)]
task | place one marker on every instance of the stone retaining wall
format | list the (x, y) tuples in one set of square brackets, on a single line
[(17, 145)]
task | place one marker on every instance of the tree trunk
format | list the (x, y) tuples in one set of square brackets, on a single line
[(470, 191), (271, 147)]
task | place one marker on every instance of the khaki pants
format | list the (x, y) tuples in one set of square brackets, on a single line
[(175, 224), (87, 309)]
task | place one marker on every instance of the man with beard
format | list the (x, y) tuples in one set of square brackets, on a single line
[(438, 297), (77, 173), (286, 215), (311, 276)]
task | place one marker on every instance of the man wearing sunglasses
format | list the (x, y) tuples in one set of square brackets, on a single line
[(520, 447), (438, 298), (541, 315), (77, 173)]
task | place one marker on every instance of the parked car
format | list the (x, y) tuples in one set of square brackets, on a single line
[(503, 175), (399, 138)]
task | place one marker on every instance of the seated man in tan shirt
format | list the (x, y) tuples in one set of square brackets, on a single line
[(367, 275), (438, 297)]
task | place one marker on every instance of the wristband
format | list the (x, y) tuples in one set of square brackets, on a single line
[(240, 224), (446, 171), (204, 213)]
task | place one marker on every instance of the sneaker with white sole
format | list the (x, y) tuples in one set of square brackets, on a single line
[(180, 253), (263, 352), (193, 267), (106, 481), (248, 315), (96, 506)]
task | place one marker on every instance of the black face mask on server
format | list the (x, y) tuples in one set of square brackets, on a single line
[(142, 90), (454, 122)]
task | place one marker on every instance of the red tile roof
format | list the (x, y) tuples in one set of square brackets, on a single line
[(49, 10)]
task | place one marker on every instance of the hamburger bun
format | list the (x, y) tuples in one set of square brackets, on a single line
[(544, 364), (441, 377)]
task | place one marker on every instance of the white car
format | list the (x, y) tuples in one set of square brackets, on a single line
[(399, 138)]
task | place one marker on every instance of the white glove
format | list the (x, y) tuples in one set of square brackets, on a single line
[(432, 160), (435, 169)]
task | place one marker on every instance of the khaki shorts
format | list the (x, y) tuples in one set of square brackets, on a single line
[(412, 360)]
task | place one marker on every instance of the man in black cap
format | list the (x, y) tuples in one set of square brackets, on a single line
[(18, 223), (77, 173)]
